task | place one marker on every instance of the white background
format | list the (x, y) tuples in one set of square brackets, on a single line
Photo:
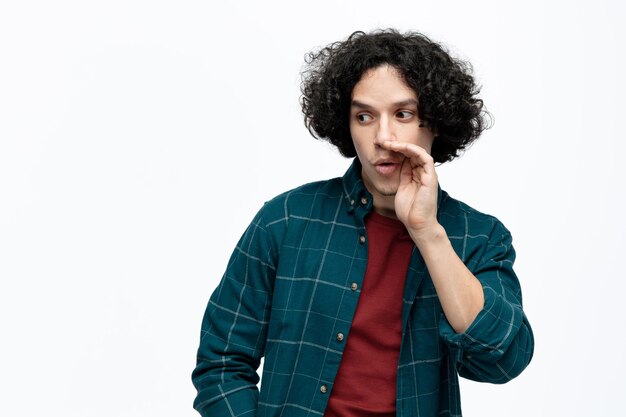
[(138, 139)]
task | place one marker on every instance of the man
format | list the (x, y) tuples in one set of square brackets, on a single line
[(369, 294)]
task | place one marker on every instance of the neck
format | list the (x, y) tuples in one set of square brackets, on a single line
[(384, 205)]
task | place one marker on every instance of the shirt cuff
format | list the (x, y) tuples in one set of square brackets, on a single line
[(491, 332), (241, 401)]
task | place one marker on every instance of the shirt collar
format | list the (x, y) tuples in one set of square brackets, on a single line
[(353, 188), (356, 194)]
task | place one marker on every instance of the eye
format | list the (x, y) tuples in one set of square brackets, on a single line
[(404, 114), (364, 117)]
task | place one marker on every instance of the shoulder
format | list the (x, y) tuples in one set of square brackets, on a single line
[(303, 201), (454, 211), (459, 218)]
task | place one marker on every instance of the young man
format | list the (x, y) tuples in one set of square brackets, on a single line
[(369, 294)]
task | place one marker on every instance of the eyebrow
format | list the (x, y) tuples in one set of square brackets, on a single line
[(403, 103)]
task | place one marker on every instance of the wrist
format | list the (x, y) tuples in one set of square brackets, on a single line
[(433, 235)]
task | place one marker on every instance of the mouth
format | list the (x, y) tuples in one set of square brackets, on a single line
[(387, 167)]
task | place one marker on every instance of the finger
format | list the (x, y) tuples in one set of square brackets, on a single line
[(421, 164), (408, 149), (411, 174), (417, 154), (406, 172)]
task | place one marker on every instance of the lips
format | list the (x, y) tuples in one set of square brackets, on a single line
[(387, 166)]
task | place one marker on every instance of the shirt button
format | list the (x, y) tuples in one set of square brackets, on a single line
[(361, 239), (364, 200), (340, 337), (323, 389), (354, 286)]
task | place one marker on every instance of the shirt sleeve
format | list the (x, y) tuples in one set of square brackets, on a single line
[(234, 328), (499, 343)]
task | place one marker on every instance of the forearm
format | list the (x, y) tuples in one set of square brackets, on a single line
[(227, 361), (234, 328), (460, 293), (497, 346)]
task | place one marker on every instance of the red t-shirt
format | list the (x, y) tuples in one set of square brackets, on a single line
[(365, 385)]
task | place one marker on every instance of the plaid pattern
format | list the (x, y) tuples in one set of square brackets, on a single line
[(293, 283)]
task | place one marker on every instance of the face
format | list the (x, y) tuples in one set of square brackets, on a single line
[(384, 108)]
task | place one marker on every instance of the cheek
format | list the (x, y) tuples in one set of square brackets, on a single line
[(359, 139), (419, 137), (426, 142), (409, 136), (360, 151)]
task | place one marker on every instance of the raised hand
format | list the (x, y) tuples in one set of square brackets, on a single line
[(416, 199)]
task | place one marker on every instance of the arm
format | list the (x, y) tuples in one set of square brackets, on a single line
[(483, 322), (234, 328), (499, 343), (459, 292)]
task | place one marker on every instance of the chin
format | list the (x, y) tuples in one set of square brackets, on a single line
[(387, 191), (386, 187)]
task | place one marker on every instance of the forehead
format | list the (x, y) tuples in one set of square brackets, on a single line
[(383, 84)]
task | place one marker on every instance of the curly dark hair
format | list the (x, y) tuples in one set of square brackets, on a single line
[(447, 94)]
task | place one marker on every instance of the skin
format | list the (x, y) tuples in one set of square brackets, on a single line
[(394, 148)]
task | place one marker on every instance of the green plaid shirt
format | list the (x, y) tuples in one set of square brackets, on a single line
[(293, 283)]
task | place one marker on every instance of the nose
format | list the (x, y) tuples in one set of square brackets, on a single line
[(384, 132)]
